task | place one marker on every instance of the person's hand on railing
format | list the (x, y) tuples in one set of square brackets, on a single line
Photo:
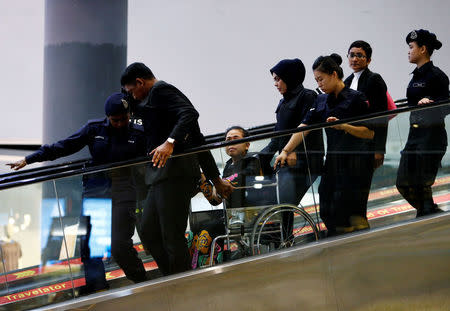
[(336, 127), (17, 165), (161, 154), (425, 101), (280, 160)]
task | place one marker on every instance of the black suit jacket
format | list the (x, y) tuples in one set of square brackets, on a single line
[(374, 87), (169, 113)]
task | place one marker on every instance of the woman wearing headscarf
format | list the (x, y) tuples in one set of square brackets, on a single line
[(294, 177), (427, 138), (347, 159)]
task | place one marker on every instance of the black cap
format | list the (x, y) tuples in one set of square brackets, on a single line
[(424, 37), (116, 104), (291, 71)]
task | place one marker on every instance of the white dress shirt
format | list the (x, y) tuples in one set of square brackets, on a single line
[(356, 75)]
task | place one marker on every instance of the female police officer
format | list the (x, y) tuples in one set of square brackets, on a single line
[(111, 139), (427, 139), (347, 158)]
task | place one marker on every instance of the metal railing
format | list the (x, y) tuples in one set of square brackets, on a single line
[(74, 168)]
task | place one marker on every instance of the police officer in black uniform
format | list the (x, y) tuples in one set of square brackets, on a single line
[(427, 138), (110, 139), (347, 157)]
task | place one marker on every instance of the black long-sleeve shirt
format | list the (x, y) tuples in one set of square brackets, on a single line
[(349, 103), (427, 125), (106, 144), (291, 110), (168, 113)]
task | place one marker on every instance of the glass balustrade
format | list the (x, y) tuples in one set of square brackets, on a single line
[(59, 235)]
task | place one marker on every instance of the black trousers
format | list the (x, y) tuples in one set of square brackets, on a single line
[(163, 223), (365, 181), (416, 174), (344, 188), (123, 192), (122, 250)]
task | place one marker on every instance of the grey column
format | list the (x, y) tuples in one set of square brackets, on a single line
[(85, 53)]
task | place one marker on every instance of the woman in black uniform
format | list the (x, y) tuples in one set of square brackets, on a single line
[(427, 139), (294, 178), (346, 159)]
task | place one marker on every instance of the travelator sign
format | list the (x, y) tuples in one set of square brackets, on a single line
[(62, 286)]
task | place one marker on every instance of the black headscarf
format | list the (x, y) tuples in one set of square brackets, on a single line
[(291, 71)]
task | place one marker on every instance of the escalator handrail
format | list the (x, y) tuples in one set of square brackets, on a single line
[(402, 109), (53, 168), (213, 138), (5, 184), (67, 164)]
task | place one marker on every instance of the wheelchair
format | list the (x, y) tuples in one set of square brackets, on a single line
[(257, 227)]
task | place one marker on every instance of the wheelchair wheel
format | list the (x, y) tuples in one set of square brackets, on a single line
[(282, 226)]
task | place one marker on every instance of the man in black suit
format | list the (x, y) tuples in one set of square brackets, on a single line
[(170, 125), (374, 87)]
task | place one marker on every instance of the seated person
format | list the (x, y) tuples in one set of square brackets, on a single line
[(240, 168)]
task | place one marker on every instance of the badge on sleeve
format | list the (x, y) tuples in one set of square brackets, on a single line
[(125, 103)]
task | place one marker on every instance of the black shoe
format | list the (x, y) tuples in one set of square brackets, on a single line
[(429, 211)]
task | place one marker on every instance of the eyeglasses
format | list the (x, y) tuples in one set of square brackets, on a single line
[(357, 55)]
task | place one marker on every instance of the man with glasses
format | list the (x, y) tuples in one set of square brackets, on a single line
[(374, 87), (170, 125)]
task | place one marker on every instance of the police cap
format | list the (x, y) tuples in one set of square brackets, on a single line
[(116, 104), (424, 37)]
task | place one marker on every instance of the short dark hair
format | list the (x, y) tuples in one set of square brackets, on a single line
[(134, 71), (245, 133), (329, 64), (362, 45)]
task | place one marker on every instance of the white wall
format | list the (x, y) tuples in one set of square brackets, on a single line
[(219, 52), (22, 65)]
